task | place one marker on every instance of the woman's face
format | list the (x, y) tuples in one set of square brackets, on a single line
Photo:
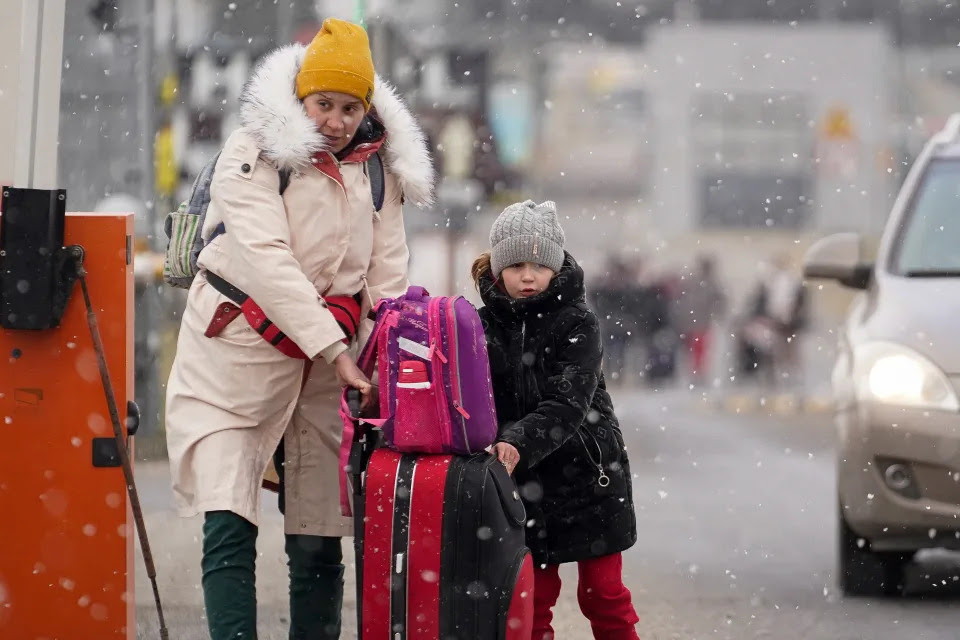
[(337, 116), (526, 279)]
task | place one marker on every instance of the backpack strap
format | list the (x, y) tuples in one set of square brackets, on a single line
[(377, 181), (200, 199), (200, 191), (284, 183)]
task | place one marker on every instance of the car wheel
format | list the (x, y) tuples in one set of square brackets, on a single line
[(864, 572)]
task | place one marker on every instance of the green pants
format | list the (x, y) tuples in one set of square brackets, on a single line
[(229, 583)]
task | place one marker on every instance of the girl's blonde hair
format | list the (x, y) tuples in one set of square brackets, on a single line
[(480, 266)]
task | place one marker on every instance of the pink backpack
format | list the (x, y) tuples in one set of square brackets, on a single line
[(436, 395)]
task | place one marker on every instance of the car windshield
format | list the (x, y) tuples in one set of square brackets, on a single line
[(931, 233)]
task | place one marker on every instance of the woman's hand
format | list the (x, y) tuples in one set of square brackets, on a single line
[(349, 375), (507, 454)]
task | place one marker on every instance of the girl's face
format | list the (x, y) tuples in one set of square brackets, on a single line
[(526, 279), (337, 116)]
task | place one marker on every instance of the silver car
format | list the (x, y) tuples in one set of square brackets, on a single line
[(897, 377)]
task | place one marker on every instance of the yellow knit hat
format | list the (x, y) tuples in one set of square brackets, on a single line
[(338, 60)]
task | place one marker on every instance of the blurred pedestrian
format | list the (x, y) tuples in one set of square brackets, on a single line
[(615, 297), (701, 304), (777, 314), (312, 257), (656, 294)]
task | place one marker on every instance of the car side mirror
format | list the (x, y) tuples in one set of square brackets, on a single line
[(838, 257)]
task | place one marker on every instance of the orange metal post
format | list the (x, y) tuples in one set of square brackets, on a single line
[(67, 539)]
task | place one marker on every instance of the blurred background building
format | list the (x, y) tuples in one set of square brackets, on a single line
[(665, 129)]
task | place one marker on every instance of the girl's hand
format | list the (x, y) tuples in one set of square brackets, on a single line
[(507, 454)]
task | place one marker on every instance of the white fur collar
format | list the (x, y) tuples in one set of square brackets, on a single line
[(272, 114)]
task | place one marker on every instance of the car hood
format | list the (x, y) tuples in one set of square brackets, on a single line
[(920, 313)]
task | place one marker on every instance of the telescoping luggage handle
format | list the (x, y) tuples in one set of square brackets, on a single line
[(355, 437), (356, 451), (353, 402), (356, 446)]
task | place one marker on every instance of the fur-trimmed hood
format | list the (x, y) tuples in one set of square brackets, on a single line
[(272, 114)]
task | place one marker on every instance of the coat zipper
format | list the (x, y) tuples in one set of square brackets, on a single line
[(523, 382), (523, 410)]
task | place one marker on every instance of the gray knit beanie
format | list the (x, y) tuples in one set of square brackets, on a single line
[(527, 232)]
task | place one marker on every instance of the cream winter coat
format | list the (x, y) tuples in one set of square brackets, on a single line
[(231, 398)]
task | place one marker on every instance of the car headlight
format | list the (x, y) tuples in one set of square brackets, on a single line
[(892, 374)]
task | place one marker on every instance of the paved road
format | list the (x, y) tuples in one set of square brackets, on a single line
[(736, 520), (737, 532)]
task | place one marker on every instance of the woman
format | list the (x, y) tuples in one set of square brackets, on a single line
[(313, 256)]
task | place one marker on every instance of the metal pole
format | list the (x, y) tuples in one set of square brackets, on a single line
[(31, 48), (147, 301), (360, 12), (145, 92)]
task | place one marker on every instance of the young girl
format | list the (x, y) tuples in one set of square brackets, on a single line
[(558, 432)]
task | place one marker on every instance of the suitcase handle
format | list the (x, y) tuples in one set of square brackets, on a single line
[(363, 444), (353, 402), (416, 293)]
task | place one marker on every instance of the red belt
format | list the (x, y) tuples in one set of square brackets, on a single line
[(345, 309)]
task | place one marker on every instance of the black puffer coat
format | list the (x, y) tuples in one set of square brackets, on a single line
[(553, 406)]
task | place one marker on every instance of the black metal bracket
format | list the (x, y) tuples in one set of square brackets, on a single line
[(133, 417), (105, 452), (37, 272)]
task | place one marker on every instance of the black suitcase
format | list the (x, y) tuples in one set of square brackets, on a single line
[(440, 547)]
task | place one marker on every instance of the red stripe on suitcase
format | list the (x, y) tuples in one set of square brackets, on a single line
[(381, 480), (520, 614), (426, 529)]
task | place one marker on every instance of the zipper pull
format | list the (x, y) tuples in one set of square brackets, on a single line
[(461, 410), (435, 350)]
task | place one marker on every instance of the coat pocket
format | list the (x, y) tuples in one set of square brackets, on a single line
[(220, 321)]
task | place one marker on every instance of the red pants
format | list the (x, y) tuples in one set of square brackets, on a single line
[(603, 598), (697, 343)]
